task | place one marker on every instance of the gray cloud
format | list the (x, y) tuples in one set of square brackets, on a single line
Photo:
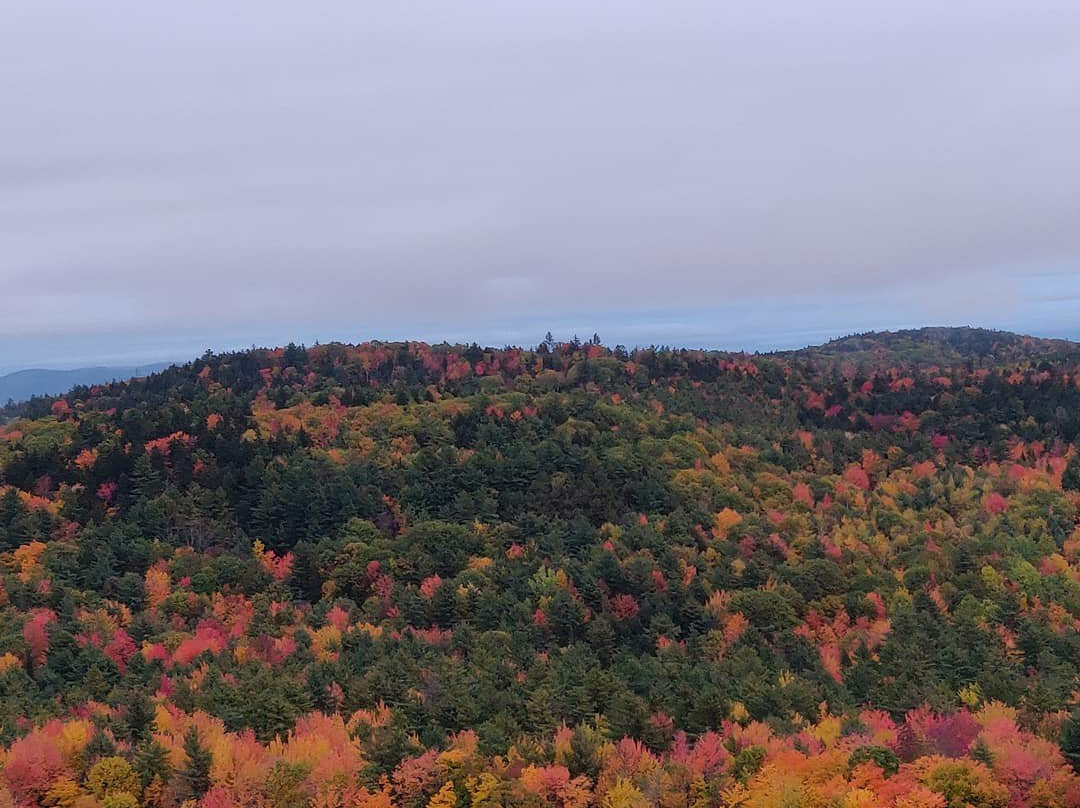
[(177, 175)]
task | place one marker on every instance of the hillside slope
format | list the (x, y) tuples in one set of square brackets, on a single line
[(448, 575)]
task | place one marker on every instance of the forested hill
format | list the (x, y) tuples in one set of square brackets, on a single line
[(943, 346), (402, 574)]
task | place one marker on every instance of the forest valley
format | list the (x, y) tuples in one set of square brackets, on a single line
[(400, 574)]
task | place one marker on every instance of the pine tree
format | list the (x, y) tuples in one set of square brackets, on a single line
[(11, 513), (1070, 740), (152, 762), (194, 778), (145, 480), (1070, 480), (139, 717), (100, 746)]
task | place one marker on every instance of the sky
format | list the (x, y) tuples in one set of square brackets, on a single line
[(206, 174)]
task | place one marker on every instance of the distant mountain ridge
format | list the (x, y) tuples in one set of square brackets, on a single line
[(24, 384), (944, 345)]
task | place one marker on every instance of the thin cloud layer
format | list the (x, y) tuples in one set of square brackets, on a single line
[(176, 176)]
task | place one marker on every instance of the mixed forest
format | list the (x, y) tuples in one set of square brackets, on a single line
[(437, 576)]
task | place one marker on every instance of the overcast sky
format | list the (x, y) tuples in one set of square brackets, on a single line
[(217, 173)]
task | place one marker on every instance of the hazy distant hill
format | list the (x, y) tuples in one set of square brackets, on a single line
[(23, 384), (938, 346)]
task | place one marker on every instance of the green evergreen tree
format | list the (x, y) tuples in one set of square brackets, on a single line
[(152, 760), (1070, 480), (1070, 740), (145, 479), (139, 719), (194, 778)]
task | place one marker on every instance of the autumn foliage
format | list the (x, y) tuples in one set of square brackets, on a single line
[(413, 575)]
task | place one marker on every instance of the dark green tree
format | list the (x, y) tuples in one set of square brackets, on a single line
[(193, 780)]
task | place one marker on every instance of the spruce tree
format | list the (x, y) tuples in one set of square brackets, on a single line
[(1070, 740), (139, 718), (152, 761), (194, 778)]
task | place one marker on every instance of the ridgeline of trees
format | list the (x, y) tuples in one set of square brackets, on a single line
[(402, 574)]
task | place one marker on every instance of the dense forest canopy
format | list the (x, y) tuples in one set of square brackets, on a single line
[(405, 574)]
